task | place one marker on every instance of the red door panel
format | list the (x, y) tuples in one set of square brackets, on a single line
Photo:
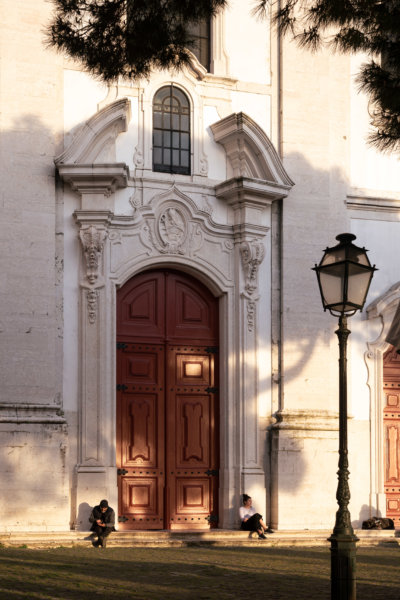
[(141, 308), (192, 453), (391, 425), (141, 447), (167, 403), (192, 314)]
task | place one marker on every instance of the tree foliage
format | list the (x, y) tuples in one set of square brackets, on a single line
[(129, 38)]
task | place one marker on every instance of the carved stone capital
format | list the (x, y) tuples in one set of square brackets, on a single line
[(93, 239)]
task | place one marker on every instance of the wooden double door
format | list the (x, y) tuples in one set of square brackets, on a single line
[(167, 403), (391, 427)]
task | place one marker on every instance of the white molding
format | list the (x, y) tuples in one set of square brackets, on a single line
[(250, 152), (99, 132), (14, 412)]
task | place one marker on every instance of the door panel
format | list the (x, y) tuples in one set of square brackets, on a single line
[(192, 314), (141, 427), (141, 308), (192, 454), (167, 403), (391, 425)]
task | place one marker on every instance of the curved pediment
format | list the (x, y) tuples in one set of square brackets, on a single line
[(249, 151), (95, 141)]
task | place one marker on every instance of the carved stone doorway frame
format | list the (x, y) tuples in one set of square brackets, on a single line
[(380, 312), (228, 259)]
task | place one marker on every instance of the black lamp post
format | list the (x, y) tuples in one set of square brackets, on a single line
[(344, 276)]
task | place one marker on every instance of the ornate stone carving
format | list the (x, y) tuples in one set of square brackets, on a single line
[(171, 233), (136, 200), (138, 159), (172, 229), (252, 254), (92, 297), (92, 239)]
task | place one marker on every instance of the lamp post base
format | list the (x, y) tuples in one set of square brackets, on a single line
[(343, 566)]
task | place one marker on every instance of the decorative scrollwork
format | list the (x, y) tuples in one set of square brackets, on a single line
[(92, 297), (252, 254)]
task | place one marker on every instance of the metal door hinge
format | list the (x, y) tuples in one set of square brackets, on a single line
[(121, 345), (211, 390), (210, 472), (121, 471), (212, 518), (212, 349), (121, 387), (122, 519)]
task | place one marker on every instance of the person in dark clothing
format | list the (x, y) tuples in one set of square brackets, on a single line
[(103, 520), (252, 520)]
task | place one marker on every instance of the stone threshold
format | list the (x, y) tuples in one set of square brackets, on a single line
[(216, 537)]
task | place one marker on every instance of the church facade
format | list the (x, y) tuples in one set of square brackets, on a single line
[(163, 340)]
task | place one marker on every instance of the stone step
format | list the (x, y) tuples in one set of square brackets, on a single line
[(216, 537)]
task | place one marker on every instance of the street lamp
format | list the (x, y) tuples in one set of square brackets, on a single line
[(344, 276)]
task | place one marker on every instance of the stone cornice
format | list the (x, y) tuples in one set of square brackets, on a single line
[(31, 413), (257, 192), (306, 420), (95, 178)]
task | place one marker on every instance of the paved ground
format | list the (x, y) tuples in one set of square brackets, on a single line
[(195, 573)]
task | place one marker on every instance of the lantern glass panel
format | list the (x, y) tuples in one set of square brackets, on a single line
[(333, 256), (358, 284), (332, 281)]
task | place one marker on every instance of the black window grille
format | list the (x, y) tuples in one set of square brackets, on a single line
[(171, 131)]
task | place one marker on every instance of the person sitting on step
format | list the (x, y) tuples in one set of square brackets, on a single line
[(103, 521), (252, 520)]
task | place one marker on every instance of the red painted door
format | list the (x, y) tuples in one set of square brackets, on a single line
[(391, 426), (167, 403)]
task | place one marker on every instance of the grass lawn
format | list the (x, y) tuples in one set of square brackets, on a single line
[(183, 573)]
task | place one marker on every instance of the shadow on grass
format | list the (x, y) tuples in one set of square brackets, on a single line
[(183, 573)]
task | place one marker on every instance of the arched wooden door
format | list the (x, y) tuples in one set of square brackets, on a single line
[(391, 426), (167, 403)]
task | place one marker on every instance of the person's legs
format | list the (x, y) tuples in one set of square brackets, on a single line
[(253, 524), (104, 535)]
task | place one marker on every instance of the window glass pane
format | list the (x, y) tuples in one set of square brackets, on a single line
[(167, 139), (185, 159), (157, 138), (167, 157), (184, 123), (166, 121), (157, 120), (184, 141), (175, 139), (157, 156), (175, 158), (175, 122)]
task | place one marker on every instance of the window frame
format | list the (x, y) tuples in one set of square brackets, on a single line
[(169, 139)]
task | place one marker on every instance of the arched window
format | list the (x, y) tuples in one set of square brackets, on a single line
[(171, 131)]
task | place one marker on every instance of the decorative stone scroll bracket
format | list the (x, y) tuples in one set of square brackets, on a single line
[(92, 239), (252, 254), (93, 233)]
